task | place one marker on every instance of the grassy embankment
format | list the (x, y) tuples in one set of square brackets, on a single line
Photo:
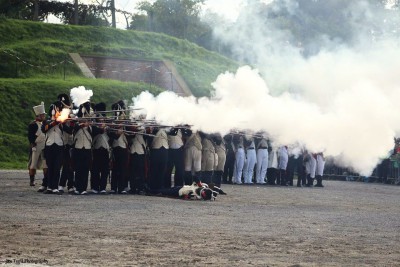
[(46, 45)]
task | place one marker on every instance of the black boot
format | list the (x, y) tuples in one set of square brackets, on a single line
[(310, 181), (282, 174), (278, 179), (303, 180), (187, 176), (319, 181), (197, 177), (206, 177), (32, 180), (217, 178)]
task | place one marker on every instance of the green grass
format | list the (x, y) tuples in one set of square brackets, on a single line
[(46, 44), (18, 96), (14, 154)]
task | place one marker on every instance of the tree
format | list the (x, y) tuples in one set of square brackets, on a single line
[(17, 9), (76, 12), (179, 18), (112, 7), (69, 13)]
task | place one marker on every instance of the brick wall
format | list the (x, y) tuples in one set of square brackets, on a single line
[(151, 72)]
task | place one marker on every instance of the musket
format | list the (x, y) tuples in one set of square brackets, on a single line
[(246, 134), (127, 124), (116, 124), (128, 120), (165, 126), (117, 118), (79, 120), (131, 132), (111, 122), (144, 124), (116, 110)]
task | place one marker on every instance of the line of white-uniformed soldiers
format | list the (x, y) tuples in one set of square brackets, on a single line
[(137, 158), (256, 161)]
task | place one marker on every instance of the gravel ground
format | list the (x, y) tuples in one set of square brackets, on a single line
[(342, 224)]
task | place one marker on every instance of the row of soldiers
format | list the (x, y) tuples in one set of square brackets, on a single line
[(134, 156), (139, 157), (252, 159)]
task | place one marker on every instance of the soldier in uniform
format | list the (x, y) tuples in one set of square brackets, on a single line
[(54, 147), (310, 164), (208, 158), (220, 150), (239, 158), (262, 160), (195, 191), (175, 157), (290, 169), (230, 159), (101, 155), (272, 165), (137, 159), (319, 168), (82, 153), (119, 183), (37, 143), (120, 152), (119, 110), (251, 160), (192, 153), (283, 159), (158, 158), (67, 173), (301, 170)]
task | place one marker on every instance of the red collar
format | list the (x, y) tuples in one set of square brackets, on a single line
[(203, 194)]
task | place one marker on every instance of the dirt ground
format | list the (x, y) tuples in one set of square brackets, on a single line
[(343, 224)]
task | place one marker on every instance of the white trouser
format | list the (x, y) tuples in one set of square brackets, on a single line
[(319, 170), (262, 165), (192, 159), (251, 162), (37, 159), (311, 166), (207, 160), (239, 163), (221, 161)]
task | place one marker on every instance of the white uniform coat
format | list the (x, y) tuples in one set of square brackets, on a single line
[(83, 138), (138, 145)]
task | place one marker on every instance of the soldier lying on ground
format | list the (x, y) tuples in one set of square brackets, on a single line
[(196, 191)]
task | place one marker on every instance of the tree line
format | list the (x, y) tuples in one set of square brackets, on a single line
[(184, 19)]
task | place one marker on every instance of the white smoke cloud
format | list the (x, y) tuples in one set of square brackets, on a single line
[(80, 95), (343, 100)]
